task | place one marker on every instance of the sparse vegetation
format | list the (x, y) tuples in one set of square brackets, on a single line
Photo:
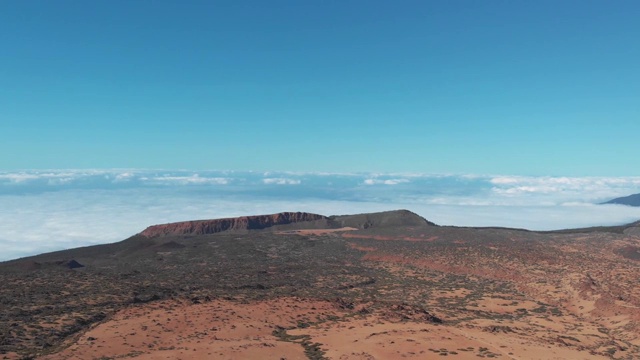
[(429, 274)]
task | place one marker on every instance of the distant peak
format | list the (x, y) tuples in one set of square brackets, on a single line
[(631, 200), (391, 218)]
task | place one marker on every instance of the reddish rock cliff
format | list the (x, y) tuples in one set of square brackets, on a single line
[(201, 227)]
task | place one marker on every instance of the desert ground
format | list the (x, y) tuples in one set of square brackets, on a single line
[(373, 286)]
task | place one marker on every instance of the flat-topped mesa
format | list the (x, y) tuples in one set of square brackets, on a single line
[(203, 227)]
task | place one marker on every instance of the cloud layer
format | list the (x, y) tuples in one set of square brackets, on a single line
[(51, 210)]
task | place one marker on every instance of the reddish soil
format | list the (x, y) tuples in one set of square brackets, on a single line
[(202, 227)]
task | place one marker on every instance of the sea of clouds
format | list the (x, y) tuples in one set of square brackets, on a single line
[(51, 210)]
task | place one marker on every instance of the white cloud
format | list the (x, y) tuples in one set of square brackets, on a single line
[(37, 223), (125, 176), (550, 217), (110, 205), (53, 178), (281, 181), (504, 180), (44, 222), (385, 181), (18, 177), (586, 189), (194, 179)]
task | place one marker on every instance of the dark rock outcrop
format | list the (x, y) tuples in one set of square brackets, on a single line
[(169, 246), (383, 219), (406, 311), (72, 264), (203, 227)]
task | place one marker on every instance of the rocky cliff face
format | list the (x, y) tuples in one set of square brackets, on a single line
[(201, 227)]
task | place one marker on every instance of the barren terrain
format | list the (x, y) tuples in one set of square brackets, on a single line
[(372, 286)]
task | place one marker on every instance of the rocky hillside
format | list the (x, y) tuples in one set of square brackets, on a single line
[(243, 223), (288, 221), (378, 280), (631, 200), (381, 219)]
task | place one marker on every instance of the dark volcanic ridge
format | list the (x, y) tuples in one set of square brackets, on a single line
[(287, 221), (631, 200)]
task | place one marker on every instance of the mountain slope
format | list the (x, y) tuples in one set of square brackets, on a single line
[(239, 287), (381, 219), (631, 200), (287, 221), (244, 223)]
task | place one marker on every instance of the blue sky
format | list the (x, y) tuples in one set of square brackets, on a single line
[(532, 88), (469, 113)]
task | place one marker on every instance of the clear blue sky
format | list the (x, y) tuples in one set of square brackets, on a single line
[(510, 87)]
